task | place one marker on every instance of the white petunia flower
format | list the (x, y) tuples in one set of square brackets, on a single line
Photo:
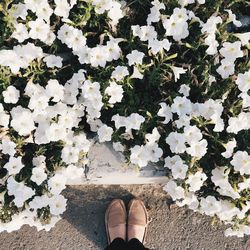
[(244, 38), (135, 57), (54, 90), (139, 156), (57, 204), (38, 175), (181, 106), (57, 183), (8, 147), (119, 73), (177, 72), (39, 29), (231, 51), (232, 18), (229, 148), (176, 142), (115, 92), (105, 133), (11, 95), (176, 192), (241, 162), (165, 111), (53, 61), (226, 68), (20, 191), (14, 165), (196, 181), (197, 149), (20, 33), (243, 81), (209, 205), (22, 120)]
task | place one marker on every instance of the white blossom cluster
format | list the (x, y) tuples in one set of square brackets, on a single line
[(107, 86)]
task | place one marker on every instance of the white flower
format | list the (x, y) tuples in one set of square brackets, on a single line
[(154, 152), (229, 148), (232, 18), (243, 81), (105, 133), (53, 61), (20, 33), (135, 57), (184, 89), (98, 56), (210, 205), (39, 202), (241, 231), (4, 117), (157, 46), (22, 120), (56, 132), (136, 73), (241, 162), (177, 25), (179, 170), (181, 106), (226, 68), (177, 72), (70, 154), (44, 11), (57, 204), (244, 38), (231, 51), (55, 90), (195, 181), (171, 161), (14, 165), (20, 191), (19, 10), (153, 138), (176, 142), (115, 13), (62, 8), (165, 111), (176, 192), (236, 124), (11, 95), (57, 183), (73, 173), (115, 92), (38, 175), (197, 149), (244, 185), (192, 134), (145, 33), (139, 156), (190, 200), (39, 29), (119, 73), (8, 147)]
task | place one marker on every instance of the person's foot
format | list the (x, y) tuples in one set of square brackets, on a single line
[(115, 220), (137, 220)]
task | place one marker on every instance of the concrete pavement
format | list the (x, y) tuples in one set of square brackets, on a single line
[(82, 226)]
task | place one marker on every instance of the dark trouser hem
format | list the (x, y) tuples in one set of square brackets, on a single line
[(120, 244)]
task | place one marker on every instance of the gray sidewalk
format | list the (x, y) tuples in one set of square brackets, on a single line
[(82, 227)]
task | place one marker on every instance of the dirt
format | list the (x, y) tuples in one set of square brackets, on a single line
[(82, 226)]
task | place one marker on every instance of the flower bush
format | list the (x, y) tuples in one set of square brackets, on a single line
[(166, 81)]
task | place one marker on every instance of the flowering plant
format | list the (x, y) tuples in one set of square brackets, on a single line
[(165, 81)]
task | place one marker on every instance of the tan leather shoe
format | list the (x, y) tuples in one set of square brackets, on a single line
[(115, 220), (137, 220)]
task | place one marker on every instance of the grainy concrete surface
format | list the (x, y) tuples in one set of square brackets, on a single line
[(82, 227)]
